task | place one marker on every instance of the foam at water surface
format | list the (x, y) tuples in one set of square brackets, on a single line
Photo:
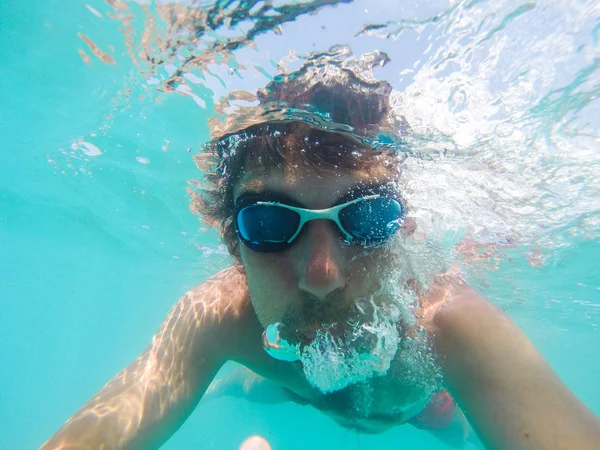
[(502, 142)]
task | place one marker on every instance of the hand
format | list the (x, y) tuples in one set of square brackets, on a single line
[(255, 443)]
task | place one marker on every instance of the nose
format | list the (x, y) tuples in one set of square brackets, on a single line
[(322, 270)]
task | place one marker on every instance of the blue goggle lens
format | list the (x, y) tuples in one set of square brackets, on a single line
[(266, 227), (372, 221)]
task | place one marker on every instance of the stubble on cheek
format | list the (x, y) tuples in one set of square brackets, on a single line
[(286, 275), (273, 287), (366, 271)]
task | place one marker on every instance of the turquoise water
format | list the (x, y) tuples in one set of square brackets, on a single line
[(96, 247)]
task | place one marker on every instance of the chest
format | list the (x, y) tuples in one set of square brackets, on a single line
[(370, 407)]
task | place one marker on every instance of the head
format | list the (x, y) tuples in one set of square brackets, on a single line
[(325, 292)]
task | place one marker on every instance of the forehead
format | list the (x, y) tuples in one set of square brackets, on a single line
[(311, 187)]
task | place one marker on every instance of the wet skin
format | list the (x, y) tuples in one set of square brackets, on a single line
[(317, 280), (508, 392)]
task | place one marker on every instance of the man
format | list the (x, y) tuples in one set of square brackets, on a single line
[(321, 299)]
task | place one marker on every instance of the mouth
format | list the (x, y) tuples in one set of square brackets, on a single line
[(336, 325), (309, 333)]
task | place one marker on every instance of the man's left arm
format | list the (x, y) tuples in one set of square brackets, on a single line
[(509, 393)]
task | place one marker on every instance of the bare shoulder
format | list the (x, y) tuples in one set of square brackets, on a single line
[(223, 296), (469, 314), (452, 305), (204, 319), (463, 323)]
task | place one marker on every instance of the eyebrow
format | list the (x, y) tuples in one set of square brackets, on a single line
[(268, 195), (275, 195)]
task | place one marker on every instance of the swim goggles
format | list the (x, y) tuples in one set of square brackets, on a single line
[(272, 226)]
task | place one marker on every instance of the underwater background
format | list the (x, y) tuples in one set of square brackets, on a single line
[(104, 104)]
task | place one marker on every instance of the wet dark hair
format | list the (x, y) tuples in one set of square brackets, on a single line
[(326, 116)]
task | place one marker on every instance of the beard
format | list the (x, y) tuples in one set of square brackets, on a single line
[(365, 350), (353, 350)]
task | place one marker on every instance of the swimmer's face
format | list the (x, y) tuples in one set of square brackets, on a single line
[(319, 277)]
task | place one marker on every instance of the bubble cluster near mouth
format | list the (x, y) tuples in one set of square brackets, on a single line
[(366, 350), (338, 356), (277, 346)]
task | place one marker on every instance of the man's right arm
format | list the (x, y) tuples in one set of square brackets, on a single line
[(150, 399)]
